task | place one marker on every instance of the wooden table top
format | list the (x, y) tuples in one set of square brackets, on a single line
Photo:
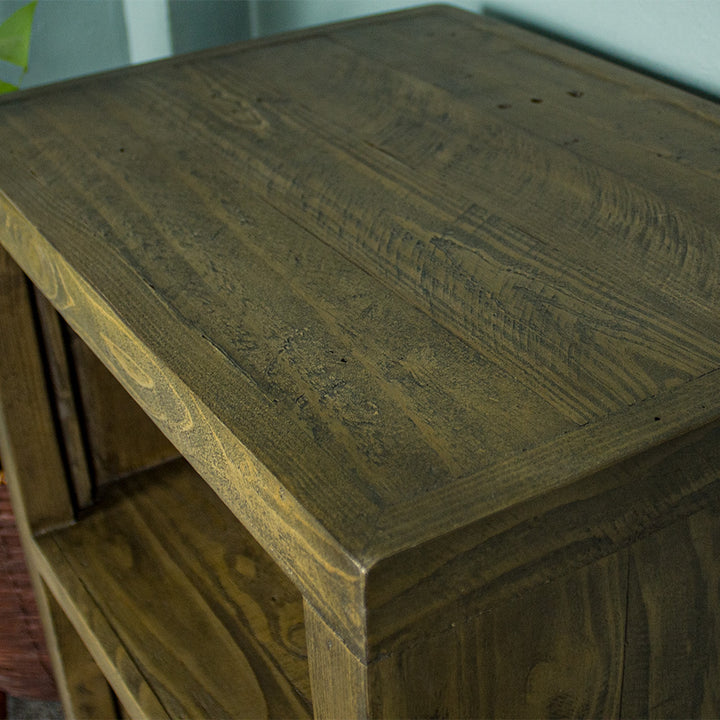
[(385, 279)]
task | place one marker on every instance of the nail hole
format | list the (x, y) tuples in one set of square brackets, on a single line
[(575, 93), (536, 100), (504, 106)]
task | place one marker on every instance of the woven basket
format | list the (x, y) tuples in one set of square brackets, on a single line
[(24, 662)]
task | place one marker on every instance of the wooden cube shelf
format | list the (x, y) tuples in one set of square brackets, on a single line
[(371, 370)]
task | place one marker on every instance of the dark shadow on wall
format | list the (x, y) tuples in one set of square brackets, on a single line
[(195, 25)]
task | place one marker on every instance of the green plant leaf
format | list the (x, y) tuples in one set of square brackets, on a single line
[(15, 36), (6, 87)]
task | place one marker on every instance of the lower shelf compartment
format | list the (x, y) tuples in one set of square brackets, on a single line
[(183, 611)]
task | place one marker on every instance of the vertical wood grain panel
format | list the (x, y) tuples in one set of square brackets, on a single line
[(339, 680), (121, 437), (673, 640), (66, 405), (554, 652), (85, 692), (30, 451)]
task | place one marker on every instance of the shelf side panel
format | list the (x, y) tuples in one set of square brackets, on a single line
[(199, 614)]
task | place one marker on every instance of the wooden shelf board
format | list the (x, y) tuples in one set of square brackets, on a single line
[(183, 610)]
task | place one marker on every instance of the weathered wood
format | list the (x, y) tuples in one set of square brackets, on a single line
[(673, 640), (66, 406), (414, 151), (536, 541), (120, 437), (85, 692), (433, 306), (556, 651), (32, 459), (212, 627), (293, 537), (340, 684), (31, 455)]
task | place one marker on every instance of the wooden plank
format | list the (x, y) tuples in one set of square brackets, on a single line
[(120, 436), (85, 692), (30, 451), (32, 461), (450, 207), (673, 637), (275, 316), (556, 651), (612, 118), (294, 538), (207, 622), (340, 687), (96, 633), (63, 397), (486, 563), (390, 339)]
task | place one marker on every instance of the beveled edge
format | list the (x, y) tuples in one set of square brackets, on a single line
[(325, 572)]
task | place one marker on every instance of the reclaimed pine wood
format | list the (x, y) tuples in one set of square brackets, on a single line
[(60, 371), (29, 443), (32, 457), (87, 694), (432, 304), (120, 438), (554, 653), (206, 617), (673, 641)]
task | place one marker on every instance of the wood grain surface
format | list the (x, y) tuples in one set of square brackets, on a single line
[(556, 652), (32, 456), (206, 621), (62, 392), (431, 303), (120, 437), (87, 695), (673, 641)]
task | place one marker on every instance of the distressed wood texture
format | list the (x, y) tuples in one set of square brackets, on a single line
[(85, 690), (556, 652), (185, 613), (120, 438), (673, 641), (32, 455), (433, 305), (70, 426)]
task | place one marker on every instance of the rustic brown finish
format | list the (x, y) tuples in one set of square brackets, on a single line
[(673, 642), (190, 579), (432, 304), (120, 437), (25, 412), (60, 371), (87, 694)]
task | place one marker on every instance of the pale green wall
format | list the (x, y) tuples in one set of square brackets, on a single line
[(279, 15), (196, 25), (73, 37), (679, 39)]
